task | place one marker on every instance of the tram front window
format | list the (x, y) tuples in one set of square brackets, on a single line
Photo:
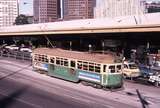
[(112, 69)]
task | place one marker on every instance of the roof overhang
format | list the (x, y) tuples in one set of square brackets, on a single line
[(120, 29)]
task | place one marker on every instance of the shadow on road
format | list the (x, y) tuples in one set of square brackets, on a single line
[(10, 99), (14, 72)]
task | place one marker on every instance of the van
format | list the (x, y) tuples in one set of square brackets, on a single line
[(130, 70)]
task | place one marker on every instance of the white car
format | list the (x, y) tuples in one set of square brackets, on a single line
[(155, 79), (25, 49), (12, 47)]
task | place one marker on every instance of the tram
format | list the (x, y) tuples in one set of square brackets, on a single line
[(101, 70)]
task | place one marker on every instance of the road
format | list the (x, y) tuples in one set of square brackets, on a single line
[(20, 87)]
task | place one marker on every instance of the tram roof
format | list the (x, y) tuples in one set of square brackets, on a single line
[(134, 23), (84, 56)]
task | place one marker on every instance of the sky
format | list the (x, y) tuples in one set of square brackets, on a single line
[(26, 6)]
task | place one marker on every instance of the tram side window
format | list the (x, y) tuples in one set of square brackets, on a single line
[(58, 61), (97, 69), (42, 58), (73, 64), (104, 68), (91, 66), (118, 68), (85, 66), (79, 65), (45, 58), (36, 57), (52, 60), (112, 69), (39, 58), (65, 62), (61, 62)]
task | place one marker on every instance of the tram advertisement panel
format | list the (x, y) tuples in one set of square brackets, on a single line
[(89, 76)]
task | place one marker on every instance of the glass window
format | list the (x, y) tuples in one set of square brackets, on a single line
[(125, 66), (79, 65), (58, 61), (85, 66), (91, 68), (112, 69), (52, 60), (104, 68), (97, 69), (65, 63), (119, 67), (73, 64)]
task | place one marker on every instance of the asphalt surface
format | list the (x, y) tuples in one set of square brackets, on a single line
[(20, 87), (17, 95)]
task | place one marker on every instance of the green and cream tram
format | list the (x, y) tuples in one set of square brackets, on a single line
[(99, 69)]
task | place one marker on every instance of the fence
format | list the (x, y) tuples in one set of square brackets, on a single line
[(16, 54)]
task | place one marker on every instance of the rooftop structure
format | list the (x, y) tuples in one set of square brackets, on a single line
[(8, 12), (78, 9), (46, 10)]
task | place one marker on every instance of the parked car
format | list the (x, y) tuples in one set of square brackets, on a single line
[(25, 49), (12, 47), (146, 70), (130, 70), (155, 79)]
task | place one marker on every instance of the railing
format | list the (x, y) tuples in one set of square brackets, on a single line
[(16, 54)]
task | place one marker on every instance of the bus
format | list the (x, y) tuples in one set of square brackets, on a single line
[(101, 70)]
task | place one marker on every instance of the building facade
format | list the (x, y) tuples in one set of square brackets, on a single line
[(8, 12), (46, 10), (115, 8), (78, 9)]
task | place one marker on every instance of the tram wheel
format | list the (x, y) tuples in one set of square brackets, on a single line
[(98, 86), (85, 83)]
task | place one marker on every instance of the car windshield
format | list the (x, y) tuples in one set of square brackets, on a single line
[(133, 66)]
